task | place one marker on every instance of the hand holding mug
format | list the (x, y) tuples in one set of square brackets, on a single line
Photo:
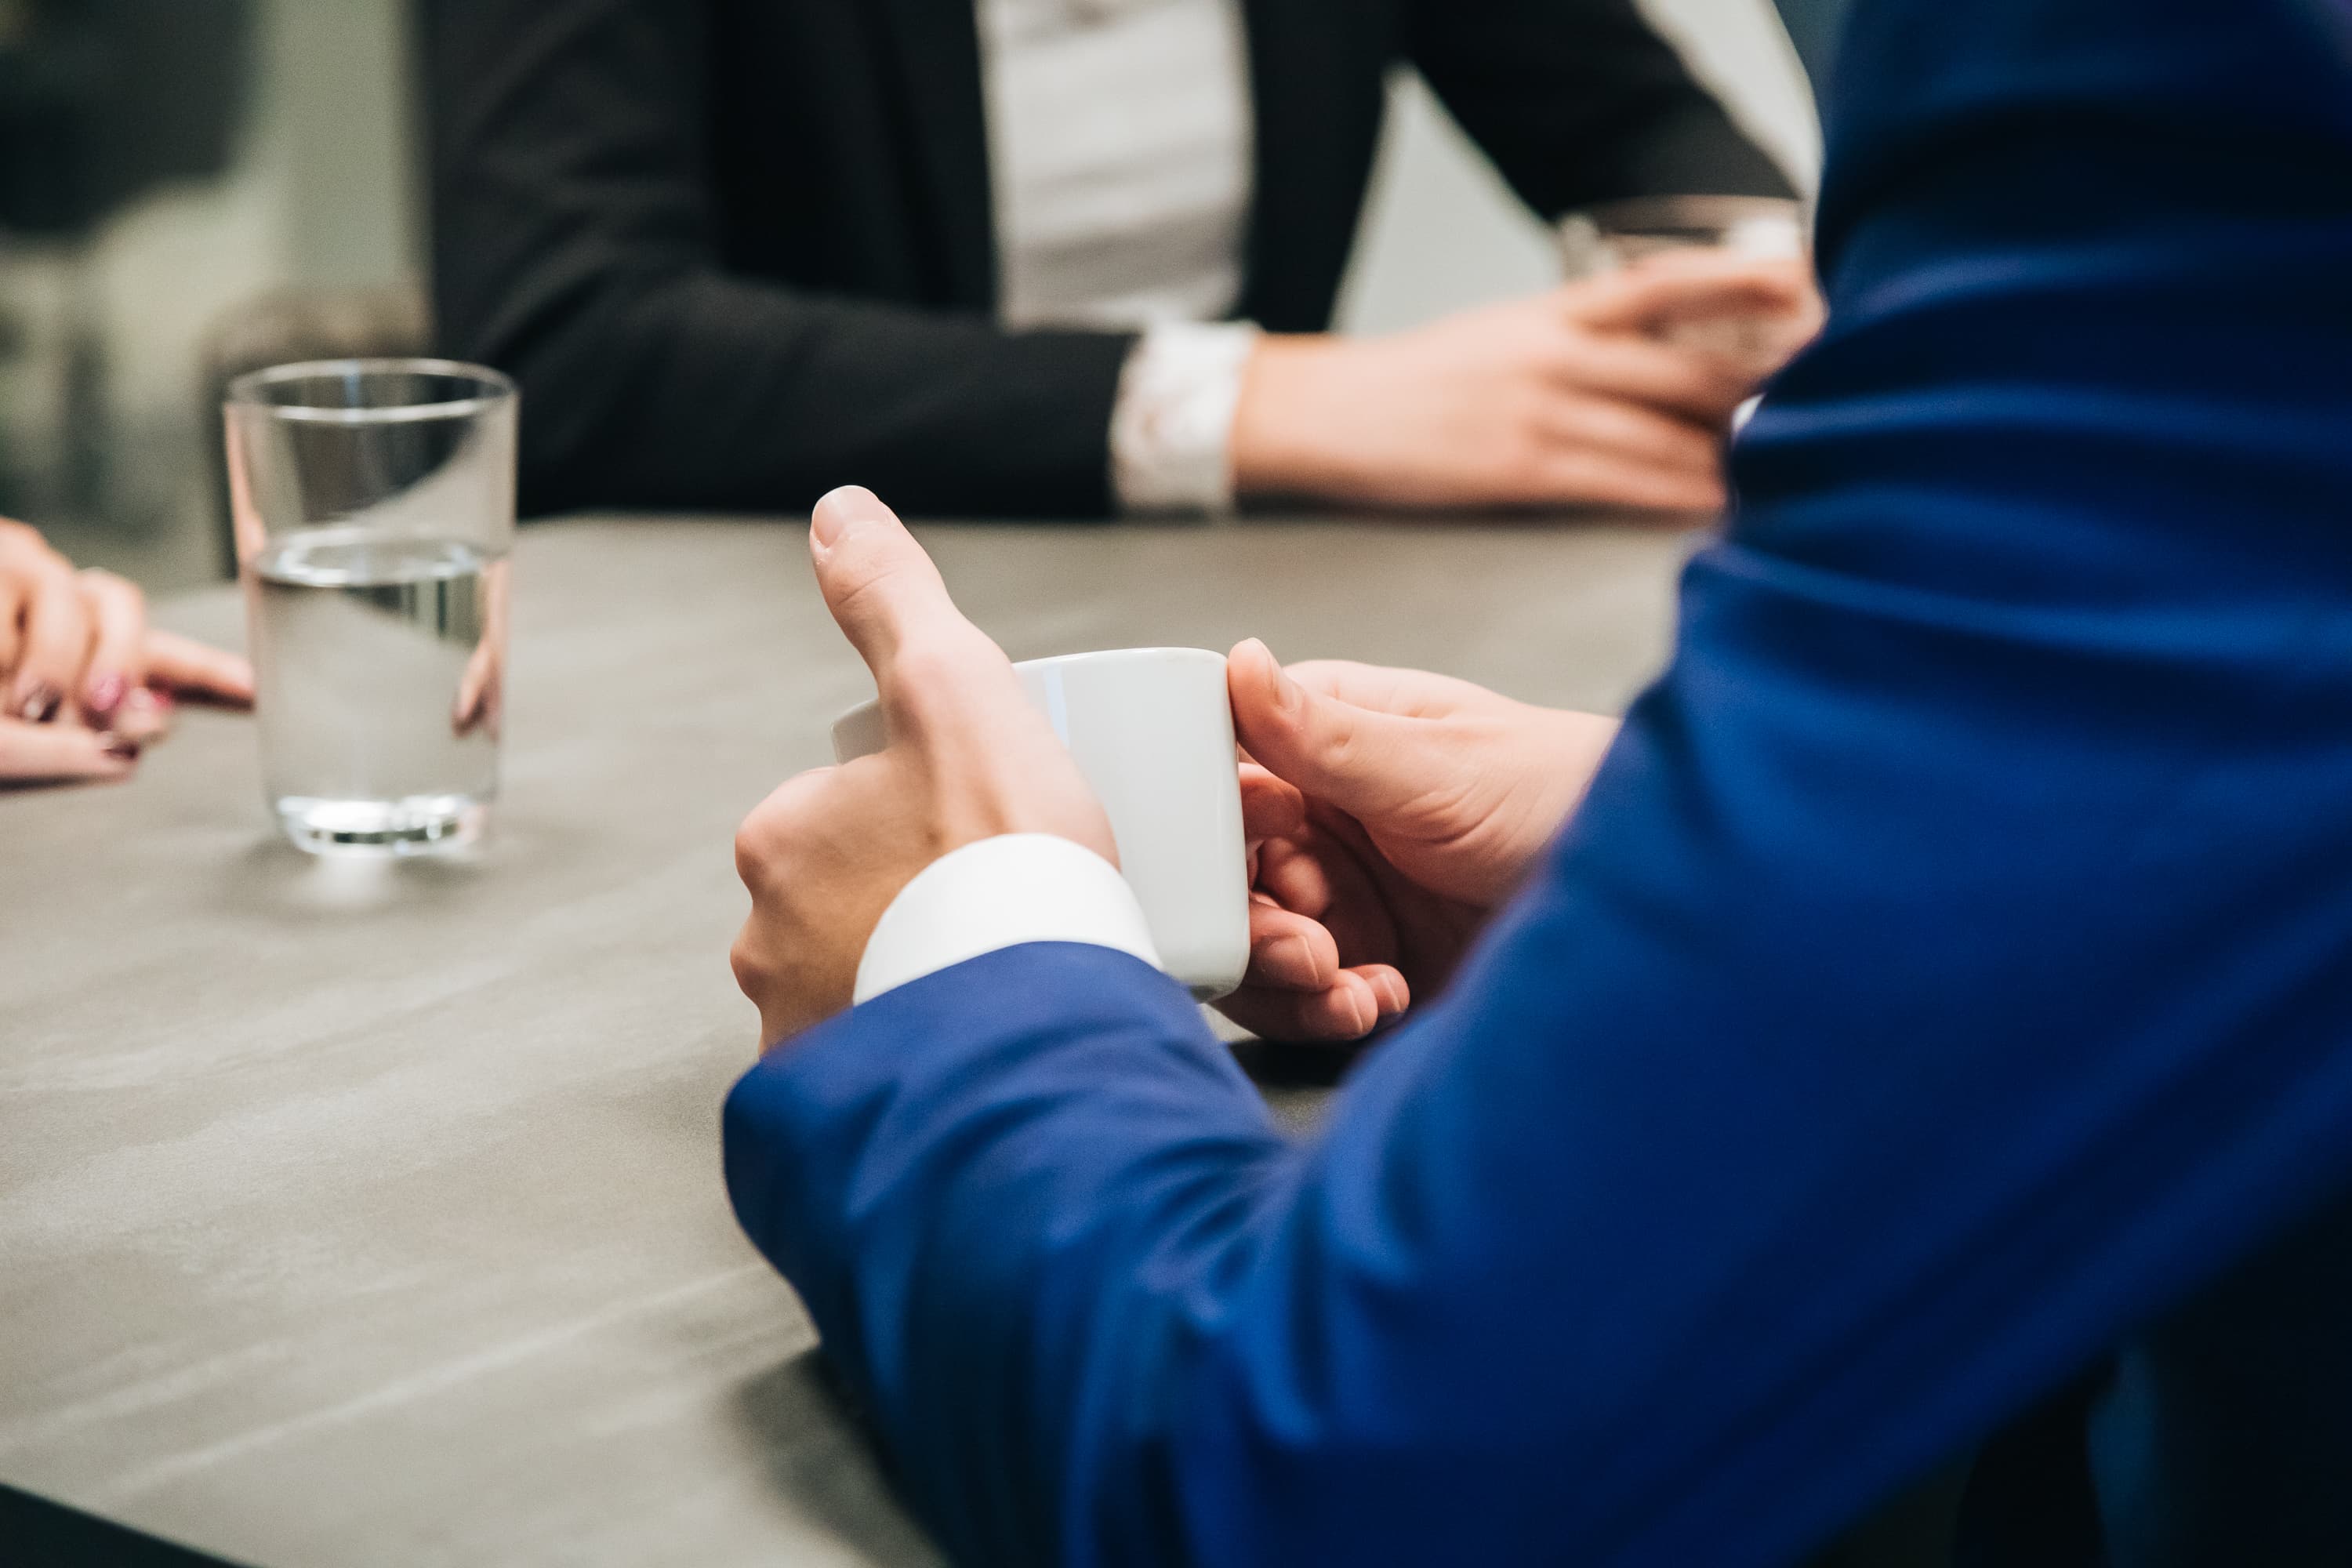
[(968, 757), (1425, 801)]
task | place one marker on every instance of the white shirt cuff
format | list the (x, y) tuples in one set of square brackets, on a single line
[(1000, 892), (1171, 427)]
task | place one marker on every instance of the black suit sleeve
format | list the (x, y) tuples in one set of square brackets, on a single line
[(1578, 101), (575, 246)]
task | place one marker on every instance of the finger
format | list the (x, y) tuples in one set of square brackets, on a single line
[(882, 588), (191, 668), (1390, 993), (1344, 1011), (23, 557), (889, 599), (1270, 807), (58, 632), (477, 692), (53, 753), (1330, 880), (144, 717), (1289, 952), (763, 841), (1294, 877), (1608, 478), (1638, 435), (1702, 283), (15, 592), (1411, 692), (118, 658), (1368, 763), (1351, 1008), (1701, 387)]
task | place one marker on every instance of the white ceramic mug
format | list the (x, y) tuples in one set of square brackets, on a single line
[(1153, 729)]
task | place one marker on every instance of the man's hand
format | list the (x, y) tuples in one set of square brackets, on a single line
[(969, 758), (1426, 801), (1574, 397)]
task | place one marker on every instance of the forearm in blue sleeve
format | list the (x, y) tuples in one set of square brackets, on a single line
[(950, 1215), (1756, 1162), (1655, 1259)]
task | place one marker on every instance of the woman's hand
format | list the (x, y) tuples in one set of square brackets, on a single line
[(1580, 396), (84, 682), (1423, 803)]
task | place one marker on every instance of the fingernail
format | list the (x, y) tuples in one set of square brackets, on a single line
[(1391, 994), (105, 694), (838, 509), (1287, 694), (1357, 1020), (1296, 956), (122, 747), (40, 704)]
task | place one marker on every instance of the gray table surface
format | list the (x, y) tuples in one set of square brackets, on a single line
[(354, 1213)]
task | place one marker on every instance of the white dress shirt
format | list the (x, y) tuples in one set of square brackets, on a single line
[(1119, 137), (1000, 892)]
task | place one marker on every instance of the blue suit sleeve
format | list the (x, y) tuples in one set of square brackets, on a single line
[(1946, 972)]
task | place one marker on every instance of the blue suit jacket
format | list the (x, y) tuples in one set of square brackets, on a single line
[(1949, 976)]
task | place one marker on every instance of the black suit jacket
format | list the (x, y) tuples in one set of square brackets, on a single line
[(740, 251)]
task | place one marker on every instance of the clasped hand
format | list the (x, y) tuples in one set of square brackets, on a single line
[(1389, 811), (85, 682)]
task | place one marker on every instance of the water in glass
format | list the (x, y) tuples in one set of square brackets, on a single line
[(374, 649)]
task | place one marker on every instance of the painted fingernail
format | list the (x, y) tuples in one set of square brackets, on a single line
[(40, 704), (105, 694), (123, 749)]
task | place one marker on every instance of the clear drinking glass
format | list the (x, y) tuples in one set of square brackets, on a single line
[(374, 507), (1617, 235)]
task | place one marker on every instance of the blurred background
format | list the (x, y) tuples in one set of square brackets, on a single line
[(188, 187)]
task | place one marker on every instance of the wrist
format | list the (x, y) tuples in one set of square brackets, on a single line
[(1171, 423), (1277, 445)]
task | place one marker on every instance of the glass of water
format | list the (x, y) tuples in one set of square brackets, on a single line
[(1618, 235), (374, 506)]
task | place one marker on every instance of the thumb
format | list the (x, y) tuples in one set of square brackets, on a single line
[(881, 587), (1370, 764), (1700, 284)]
